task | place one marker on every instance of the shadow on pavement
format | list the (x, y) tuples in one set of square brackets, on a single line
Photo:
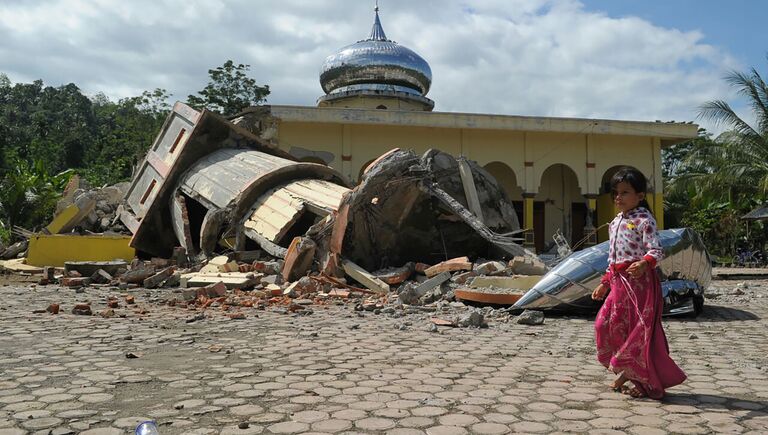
[(709, 402), (715, 313)]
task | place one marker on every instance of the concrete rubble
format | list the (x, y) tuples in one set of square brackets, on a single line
[(223, 223)]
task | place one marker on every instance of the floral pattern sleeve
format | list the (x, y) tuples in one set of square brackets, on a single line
[(651, 242)]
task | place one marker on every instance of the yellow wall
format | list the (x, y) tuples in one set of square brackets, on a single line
[(54, 250), (588, 155), (313, 136)]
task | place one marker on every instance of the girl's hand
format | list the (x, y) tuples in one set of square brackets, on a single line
[(636, 269), (599, 293)]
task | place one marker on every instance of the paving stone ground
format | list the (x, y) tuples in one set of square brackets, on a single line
[(342, 371)]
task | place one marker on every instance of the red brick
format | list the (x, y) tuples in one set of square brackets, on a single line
[(452, 265), (339, 293), (216, 290), (74, 282)]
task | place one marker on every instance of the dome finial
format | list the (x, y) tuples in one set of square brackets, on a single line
[(377, 32)]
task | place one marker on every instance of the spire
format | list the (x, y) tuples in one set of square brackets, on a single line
[(377, 32)]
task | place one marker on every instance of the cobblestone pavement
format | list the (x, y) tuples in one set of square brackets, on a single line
[(340, 371)]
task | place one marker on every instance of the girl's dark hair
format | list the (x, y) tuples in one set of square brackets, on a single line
[(634, 178)]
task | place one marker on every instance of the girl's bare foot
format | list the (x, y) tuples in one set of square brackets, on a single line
[(618, 384), (635, 393)]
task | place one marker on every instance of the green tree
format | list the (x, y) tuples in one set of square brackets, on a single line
[(47, 130), (229, 90), (28, 193), (124, 132)]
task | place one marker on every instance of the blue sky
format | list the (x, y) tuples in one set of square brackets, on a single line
[(641, 60), (739, 26)]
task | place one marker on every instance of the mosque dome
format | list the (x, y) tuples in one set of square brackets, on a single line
[(376, 66)]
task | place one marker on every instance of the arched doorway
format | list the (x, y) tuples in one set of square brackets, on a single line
[(559, 205), (508, 181)]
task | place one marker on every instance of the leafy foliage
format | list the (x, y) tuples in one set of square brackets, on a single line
[(714, 182), (229, 90), (47, 130), (28, 193)]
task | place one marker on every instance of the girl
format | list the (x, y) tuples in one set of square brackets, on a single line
[(628, 332)]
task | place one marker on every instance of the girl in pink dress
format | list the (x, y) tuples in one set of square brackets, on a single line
[(628, 332)]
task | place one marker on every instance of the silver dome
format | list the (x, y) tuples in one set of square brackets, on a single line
[(376, 64)]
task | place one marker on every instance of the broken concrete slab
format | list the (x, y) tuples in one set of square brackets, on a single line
[(527, 265), (101, 277), (472, 319), (489, 267), (137, 276), (155, 280), (231, 280), (364, 277), (470, 191), (172, 281), (411, 294), (20, 265), (462, 278), (530, 317)]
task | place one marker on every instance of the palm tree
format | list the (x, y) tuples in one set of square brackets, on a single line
[(736, 163), (720, 180), (744, 155)]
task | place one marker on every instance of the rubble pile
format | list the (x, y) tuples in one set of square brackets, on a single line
[(235, 285), (96, 210), (228, 223)]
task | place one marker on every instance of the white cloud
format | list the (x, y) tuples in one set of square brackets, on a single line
[(524, 57)]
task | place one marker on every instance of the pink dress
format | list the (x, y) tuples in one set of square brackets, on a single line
[(628, 330)]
